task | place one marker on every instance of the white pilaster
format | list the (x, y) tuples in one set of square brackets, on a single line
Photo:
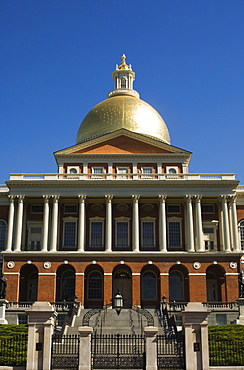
[(45, 223), (225, 224), (135, 228), (108, 241), (54, 239), (199, 246), (19, 223), (162, 224), (236, 244), (10, 223), (189, 221), (81, 225)]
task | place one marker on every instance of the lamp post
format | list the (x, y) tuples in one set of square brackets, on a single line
[(118, 302)]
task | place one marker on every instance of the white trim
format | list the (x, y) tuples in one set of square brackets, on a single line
[(79, 273), (144, 220), (11, 273), (47, 273), (125, 220), (107, 274), (231, 273), (73, 220), (164, 273), (197, 274), (96, 220), (136, 273)]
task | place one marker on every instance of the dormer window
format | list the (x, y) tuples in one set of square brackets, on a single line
[(97, 172), (73, 170), (146, 172)]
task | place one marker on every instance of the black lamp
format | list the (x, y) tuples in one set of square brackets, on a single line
[(118, 302)]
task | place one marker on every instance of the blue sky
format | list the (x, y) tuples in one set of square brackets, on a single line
[(57, 57)]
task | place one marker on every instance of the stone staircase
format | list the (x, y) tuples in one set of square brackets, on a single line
[(107, 321)]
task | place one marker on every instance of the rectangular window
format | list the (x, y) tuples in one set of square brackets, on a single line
[(173, 208), (96, 234), (35, 238), (122, 171), (174, 234), (97, 172), (148, 234), (36, 208), (207, 208), (147, 172), (221, 319), (122, 233), (69, 234), (70, 208)]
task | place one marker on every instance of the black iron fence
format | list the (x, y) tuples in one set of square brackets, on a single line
[(224, 352), (65, 351), (13, 350), (170, 348), (118, 351)]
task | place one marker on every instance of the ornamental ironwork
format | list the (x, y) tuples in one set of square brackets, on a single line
[(65, 352)]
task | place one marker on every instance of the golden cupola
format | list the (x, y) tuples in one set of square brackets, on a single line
[(123, 109)]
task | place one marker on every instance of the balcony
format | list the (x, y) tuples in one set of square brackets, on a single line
[(122, 177)]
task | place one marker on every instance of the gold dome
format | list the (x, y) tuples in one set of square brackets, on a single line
[(123, 112)]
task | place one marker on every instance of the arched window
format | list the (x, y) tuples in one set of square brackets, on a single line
[(242, 234), (3, 234), (95, 286), (176, 286), (149, 286), (123, 83), (68, 285)]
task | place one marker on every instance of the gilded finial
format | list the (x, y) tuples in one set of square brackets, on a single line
[(123, 64)]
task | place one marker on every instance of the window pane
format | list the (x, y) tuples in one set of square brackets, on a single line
[(149, 286), (96, 234), (176, 286), (148, 234), (174, 234), (242, 234), (69, 234), (95, 286), (122, 234), (3, 229)]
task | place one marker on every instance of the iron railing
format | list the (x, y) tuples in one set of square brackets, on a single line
[(224, 352), (65, 351), (13, 350), (117, 351), (170, 352)]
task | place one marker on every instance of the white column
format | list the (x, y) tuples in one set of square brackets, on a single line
[(162, 224), (19, 223), (81, 225), (199, 246), (135, 227), (108, 241), (45, 223), (10, 223), (189, 221), (226, 231), (53, 247), (236, 244)]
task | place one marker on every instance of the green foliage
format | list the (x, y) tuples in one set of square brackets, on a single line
[(13, 345), (226, 345)]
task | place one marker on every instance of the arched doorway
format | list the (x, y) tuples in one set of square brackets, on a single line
[(94, 287), (65, 287), (178, 284), (28, 283), (215, 283), (122, 283), (150, 286)]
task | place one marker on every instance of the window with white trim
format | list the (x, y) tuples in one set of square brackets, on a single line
[(96, 232), (210, 235), (174, 233), (122, 232), (69, 239), (148, 232), (242, 234), (146, 172), (97, 172), (34, 236), (73, 171), (3, 234), (122, 172)]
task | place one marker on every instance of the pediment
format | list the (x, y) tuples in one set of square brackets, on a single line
[(123, 142)]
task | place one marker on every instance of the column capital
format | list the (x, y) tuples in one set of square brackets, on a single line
[(135, 198), (162, 198), (82, 198), (188, 198), (46, 198), (109, 198), (11, 198), (55, 198), (20, 198), (224, 198), (232, 198), (198, 197)]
